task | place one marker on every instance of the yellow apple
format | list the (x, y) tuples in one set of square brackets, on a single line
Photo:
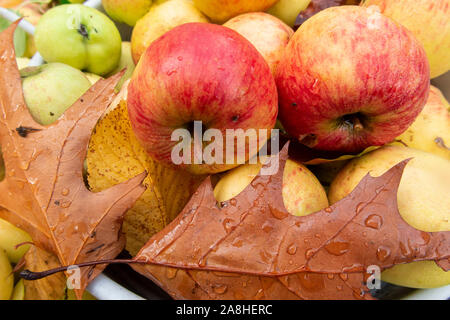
[(160, 19), (327, 171), (220, 11), (19, 291), (422, 197), (10, 236), (429, 21), (288, 10), (421, 274), (126, 11), (267, 33), (431, 130), (6, 276), (302, 192), (79, 36)]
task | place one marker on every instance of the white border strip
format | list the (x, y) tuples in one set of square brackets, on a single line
[(103, 288), (11, 16), (442, 293)]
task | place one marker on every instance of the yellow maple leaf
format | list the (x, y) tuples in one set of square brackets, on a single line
[(53, 287), (49, 288), (115, 155)]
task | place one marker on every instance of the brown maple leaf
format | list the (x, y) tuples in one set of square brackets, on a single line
[(251, 248), (43, 189), (50, 288)]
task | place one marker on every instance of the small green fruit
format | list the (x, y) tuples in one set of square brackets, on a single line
[(79, 36), (51, 89)]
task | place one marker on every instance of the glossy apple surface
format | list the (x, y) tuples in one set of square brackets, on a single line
[(199, 72), (351, 78)]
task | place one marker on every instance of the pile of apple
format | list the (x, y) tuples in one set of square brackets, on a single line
[(350, 78)]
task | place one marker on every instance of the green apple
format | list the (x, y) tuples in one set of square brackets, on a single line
[(127, 11), (79, 36), (126, 61), (288, 10), (10, 237), (51, 89)]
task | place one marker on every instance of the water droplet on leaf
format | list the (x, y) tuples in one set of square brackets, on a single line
[(383, 253), (220, 288), (278, 214), (374, 221), (292, 249), (337, 248)]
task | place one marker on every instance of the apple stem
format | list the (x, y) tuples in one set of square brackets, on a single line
[(357, 125), (353, 121)]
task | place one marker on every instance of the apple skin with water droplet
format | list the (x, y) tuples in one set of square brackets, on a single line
[(351, 78)]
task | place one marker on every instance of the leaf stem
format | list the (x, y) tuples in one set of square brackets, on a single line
[(31, 275)]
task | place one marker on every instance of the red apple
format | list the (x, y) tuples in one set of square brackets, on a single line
[(351, 78), (267, 33), (199, 72)]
